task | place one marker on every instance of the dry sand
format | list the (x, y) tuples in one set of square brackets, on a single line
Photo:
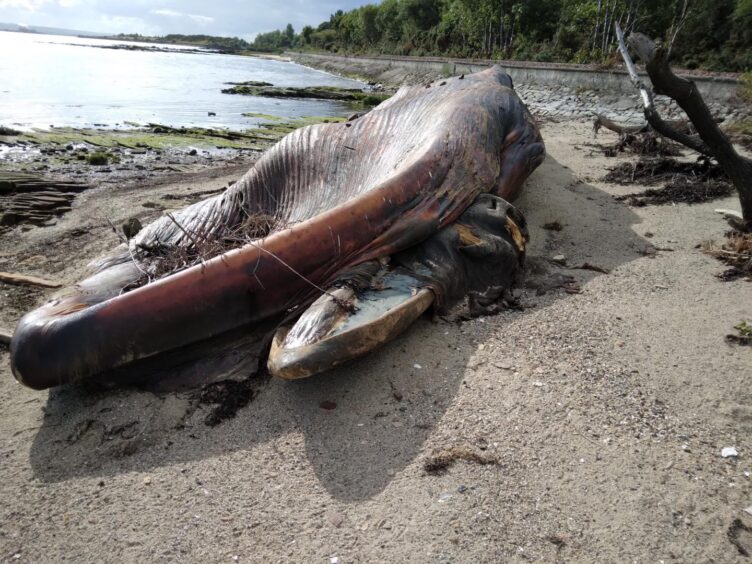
[(606, 412)]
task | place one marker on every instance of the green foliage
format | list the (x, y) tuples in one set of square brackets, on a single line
[(745, 89), (744, 328), (713, 34), (224, 44)]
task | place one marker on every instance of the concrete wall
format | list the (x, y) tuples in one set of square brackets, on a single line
[(713, 89)]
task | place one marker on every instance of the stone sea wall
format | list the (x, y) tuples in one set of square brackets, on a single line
[(550, 90)]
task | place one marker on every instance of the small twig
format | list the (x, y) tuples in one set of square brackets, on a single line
[(344, 304), (114, 230), (588, 266), (24, 280)]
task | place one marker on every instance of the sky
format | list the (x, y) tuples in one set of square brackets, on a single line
[(233, 18)]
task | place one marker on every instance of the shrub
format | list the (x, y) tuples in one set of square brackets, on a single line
[(98, 159)]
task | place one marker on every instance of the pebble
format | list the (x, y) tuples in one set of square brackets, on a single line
[(444, 497), (336, 519), (560, 259), (729, 452), (147, 481)]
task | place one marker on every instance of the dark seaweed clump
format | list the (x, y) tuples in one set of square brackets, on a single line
[(685, 182)]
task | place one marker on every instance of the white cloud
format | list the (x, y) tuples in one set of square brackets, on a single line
[(26, 5), (168, 12), (198, 18), (201, 19)]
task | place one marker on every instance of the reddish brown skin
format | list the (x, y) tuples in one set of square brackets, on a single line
[(70, 339)]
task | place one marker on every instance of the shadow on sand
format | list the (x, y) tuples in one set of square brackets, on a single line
[(386, 406)]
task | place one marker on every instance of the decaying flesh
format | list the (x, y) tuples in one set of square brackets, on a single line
[(341, 195)]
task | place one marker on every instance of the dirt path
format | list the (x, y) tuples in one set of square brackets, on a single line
[(605, 413)]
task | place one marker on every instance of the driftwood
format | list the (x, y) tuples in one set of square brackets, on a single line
[(602, 121), (32, 199), (710, 140), (24, 280), (341, 196)]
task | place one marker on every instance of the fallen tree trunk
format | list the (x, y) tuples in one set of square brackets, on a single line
[(600, 121), (710, 140)]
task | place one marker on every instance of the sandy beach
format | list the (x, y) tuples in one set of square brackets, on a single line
[(588, 425)]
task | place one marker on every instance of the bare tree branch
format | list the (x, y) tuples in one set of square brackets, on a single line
[(651, 114), (711, 140)]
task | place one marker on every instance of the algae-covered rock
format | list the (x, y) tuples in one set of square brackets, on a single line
[(315, 92)]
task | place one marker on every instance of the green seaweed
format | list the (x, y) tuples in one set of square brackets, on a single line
[(268, 117)]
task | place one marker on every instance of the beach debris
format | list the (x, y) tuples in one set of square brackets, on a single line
[(5, 336), (744, 336), (748, 510), (226, 398), (440, 461), (733, 533), (559, 259), (640, 139), (729, 452), (327, 405), (735, 251), (417, 366), (594, 268), (17, 279), (553, 226), (685, 182), (444, 497)]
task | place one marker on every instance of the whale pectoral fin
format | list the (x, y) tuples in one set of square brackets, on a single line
[(343, 324), (478, 256)]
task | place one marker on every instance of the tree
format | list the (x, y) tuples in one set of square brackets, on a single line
[(710, 141)]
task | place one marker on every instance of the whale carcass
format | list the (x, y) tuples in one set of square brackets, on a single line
[(366, 225)]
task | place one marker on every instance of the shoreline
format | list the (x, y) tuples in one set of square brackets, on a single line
[(101, 157)]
